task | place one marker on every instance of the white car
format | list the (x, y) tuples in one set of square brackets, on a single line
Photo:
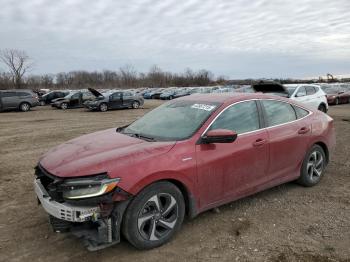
[(309, 94), (312, 95)]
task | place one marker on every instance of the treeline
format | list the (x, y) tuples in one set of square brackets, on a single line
[(125, 77)]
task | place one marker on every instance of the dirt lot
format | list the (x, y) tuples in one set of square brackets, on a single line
[(286, 223)]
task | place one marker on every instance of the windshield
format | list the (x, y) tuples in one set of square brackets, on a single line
[(291, 89), (176, 120), (331, 91)]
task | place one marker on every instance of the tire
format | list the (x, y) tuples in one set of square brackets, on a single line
[(313, 167), (42, 103), (24, 107), (337, 101), (142, 215), (135, 105), (103, 107), (64, 106), (171, 97), (322, 108)]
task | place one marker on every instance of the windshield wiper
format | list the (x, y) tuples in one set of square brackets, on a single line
[(140, 136)]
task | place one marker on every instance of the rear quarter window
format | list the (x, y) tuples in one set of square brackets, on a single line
[(300, 112), (22, 94)]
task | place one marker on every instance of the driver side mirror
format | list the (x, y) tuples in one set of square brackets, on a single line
[(219, 136)]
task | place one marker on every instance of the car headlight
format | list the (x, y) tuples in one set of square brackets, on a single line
[(87, 187)]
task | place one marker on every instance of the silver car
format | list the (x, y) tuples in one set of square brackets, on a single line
[(18, 99)]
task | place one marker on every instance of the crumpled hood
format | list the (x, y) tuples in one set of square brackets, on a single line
[(103, 151)]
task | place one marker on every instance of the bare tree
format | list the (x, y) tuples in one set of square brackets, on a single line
[(18, 63)]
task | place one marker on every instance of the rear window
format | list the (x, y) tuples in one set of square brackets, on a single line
[(278, 112)]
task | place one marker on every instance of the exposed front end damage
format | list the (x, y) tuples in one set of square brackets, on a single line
[(96, 220)]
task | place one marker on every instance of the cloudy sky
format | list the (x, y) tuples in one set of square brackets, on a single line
[(236, 38)]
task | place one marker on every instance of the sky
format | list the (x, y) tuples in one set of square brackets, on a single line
[(234, 38)]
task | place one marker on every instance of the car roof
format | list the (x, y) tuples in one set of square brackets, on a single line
[(230, 97)]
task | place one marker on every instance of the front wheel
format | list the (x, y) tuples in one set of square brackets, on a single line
[(135, 105), (313, 167), (103, 107), (154, 216)]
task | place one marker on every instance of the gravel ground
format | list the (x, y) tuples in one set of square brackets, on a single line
[(285, 223)]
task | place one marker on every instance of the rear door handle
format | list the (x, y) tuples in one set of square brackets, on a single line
[(303, 130), (259, 142)]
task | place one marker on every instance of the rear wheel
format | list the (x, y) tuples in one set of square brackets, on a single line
[(322, 108), (313, 167), (171, 97), (154, 216), (135, 105), (42, 103), (103, 107), (24, 107)]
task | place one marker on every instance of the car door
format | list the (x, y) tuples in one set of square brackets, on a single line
[(9, 99), (301, 96), (228, 170), (288, 139), (75, 99), (115, 100), (127, 99), (314, 99)]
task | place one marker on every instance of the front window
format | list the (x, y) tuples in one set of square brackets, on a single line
[(177, 120), (240, 118)]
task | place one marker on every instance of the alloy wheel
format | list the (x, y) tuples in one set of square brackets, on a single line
[(25, 107), (315, 165), (158, 217), (135, 105), (103, 107), (64, 106)]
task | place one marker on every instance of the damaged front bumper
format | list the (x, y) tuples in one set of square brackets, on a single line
[(97, 227)]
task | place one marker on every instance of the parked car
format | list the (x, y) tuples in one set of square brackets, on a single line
[(75, 99), (189, 155), (171, 94), (47, 98), (113, 100), (337, 96), (18, 100), (311, 95), (153, 94)]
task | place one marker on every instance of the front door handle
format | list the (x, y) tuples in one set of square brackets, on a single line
[(259, 142), (303, 130)]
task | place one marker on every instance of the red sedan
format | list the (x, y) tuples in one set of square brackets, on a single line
[(184, 157), (337, 96)]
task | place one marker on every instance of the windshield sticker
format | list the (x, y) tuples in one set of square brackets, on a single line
[(203, 107)]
